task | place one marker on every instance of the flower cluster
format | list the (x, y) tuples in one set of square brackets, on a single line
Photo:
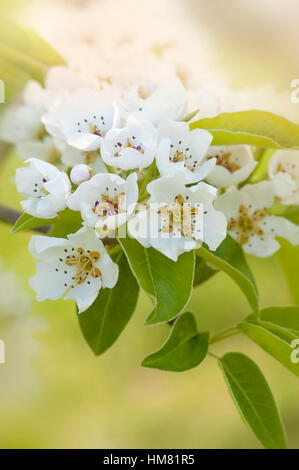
[(125, 156)]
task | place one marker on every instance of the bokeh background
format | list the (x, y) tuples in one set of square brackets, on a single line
[(53, 392)]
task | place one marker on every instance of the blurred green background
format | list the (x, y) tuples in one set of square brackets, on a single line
[(59, 395)]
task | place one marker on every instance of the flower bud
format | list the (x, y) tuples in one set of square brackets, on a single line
[(80, 173)]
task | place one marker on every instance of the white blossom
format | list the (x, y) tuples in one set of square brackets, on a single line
[(182, 149), (44, 149), (131, 147), (76, 267), (168, 228), (105, 201), (249, 220), (234, 164), (283, 170), (20, 122), (82, 118), (45, 187), (164, 101)]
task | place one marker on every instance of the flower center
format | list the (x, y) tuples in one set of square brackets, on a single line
[(130, 143), (224, 159), (179, 157), (84, 261), (246, 224), (143, 93), (94, 129), (39, 188), (282, 169), (95, 125), (178, 218), (109, 206), (182, 155)]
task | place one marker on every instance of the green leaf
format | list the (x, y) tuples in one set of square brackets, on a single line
[(107, 317), (288, 259), (66, 222), (168, 283), (203, 271), (184, 349), (258, 128), (254, 399), (24, 55), (286, 317), (273, 339), (229, 258), (28, 222)]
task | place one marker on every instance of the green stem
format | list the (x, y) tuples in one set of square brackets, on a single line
[(114, 250), (213, 355), (224, 334)]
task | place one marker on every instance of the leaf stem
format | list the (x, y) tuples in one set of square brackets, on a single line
[(213, 355), (224, 334), (114, 250)]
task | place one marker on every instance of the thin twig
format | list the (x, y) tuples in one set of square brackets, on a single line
[(10, 216), (224, 334), (4, 150)]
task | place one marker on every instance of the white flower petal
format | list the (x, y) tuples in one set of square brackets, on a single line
[(85, 141), (214, 227), (281, 227), (283, 170), (110, 271), (239, 155), (229, 202), (173, 247), (261, 246), (48, 249), (258, 195), (84, 294), (48, 283)]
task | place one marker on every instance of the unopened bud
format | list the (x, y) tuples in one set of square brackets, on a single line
[(80, 173)]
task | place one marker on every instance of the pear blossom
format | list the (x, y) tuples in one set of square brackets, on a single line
[(163, 101), (105, 201), (182, 149), (178, 218), (82, 118), (44, 149), (234, 164), (131, 147), (283, 170), (249, 221), (76, 267), (20, 122), (45, 187)]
